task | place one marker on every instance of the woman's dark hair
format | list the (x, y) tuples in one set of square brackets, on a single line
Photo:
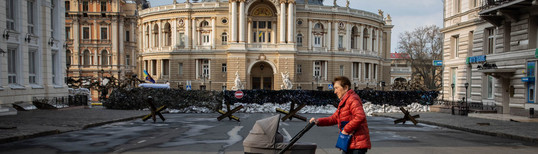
[(344, 81)]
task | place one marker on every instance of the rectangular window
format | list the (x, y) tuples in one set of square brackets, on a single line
[(261, 36), (180, 69), (456, 45), (181, 39), (374, 71), (269, 25), (32, 66), (490, 40), (54, 62), (52, 18), (299, 69), (103, 6), (67, 6), (340, 42), (104, 33), (166, 66), (67, 33), (85, 6), (457, 6), (10, 14), (261, 24), (490, 87), (205, 39), (300, 40), (205, 67), (224, 67), (127, 36), (12, 65), (31, 16), (356, 70), (128, 60), (341, 70), (224, 39), (367, 71), (317, 41), (146, 65), (153, 67), (317, 68), (86, 33)]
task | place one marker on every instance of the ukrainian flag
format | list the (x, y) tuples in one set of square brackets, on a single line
[(147, 77)]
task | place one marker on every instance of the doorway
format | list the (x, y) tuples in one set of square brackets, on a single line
[(262, 76)]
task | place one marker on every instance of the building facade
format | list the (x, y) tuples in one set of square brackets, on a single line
[(101, 38), (490, 47), (213, 44), (31, 50), (400, 70)]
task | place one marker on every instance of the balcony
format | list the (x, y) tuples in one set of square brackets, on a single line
[(95, 41), (497, 11)]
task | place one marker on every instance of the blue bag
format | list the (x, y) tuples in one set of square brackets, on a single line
[(343, 140)]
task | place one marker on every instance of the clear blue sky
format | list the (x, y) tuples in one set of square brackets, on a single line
[(406, 14)]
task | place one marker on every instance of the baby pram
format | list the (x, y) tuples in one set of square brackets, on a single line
[(265, 139)]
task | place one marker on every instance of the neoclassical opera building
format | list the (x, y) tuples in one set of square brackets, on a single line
[(212, 43)]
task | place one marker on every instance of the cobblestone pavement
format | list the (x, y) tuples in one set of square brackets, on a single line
[(526, 131), (34, 123)]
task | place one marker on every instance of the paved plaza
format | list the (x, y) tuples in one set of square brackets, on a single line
[(202, 133)]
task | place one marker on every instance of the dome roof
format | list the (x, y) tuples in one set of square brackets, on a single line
[(310, 2)]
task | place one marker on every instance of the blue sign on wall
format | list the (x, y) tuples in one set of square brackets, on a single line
[(527, 79), (476, 59), (437, 62)]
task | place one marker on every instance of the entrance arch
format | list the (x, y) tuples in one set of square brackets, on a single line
[(262, 76)]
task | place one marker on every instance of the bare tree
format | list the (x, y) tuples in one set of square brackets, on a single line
[(423, 45)]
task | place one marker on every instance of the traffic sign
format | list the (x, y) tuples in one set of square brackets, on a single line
[(189, 87), (239, 94), (331, 87)]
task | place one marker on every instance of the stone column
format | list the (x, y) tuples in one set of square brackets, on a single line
[(234, 21), (347, 38), (335, 36), (160, 37), (121, 52), (173, 31), (249, 32), (282, 21), (213, 33), (242, 22), (369, 44), (194, 34), (361, 32), (273, 32), (115, 50), (187, 23), (76, 42), (329, 33), (291, 21), (310, 37)]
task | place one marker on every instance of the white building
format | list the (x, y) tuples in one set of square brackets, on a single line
[(32, 56)]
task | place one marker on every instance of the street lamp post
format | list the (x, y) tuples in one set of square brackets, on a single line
[(317, 78), (452, 85), (204, 76), (466, 98), (100, 85)]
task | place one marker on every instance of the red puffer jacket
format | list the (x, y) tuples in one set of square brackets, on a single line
[(350, 109)]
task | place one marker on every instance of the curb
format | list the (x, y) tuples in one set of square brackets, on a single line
[(476, 131), (53, 132)]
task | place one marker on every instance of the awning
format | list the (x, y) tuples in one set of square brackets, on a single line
[(499, 72)]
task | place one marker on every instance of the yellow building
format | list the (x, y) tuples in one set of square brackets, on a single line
[(205, 44), (101, 38)]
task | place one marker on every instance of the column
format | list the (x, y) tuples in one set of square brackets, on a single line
[(173, 30), (234, 21), (213, 33), (242, 23), (121, 52), (115, 51), (361, 32), (282, 22), (249, 32), (160, 37), (347, 38), (194, 34), (187, 32), (76, 38), (335, 36), (369, 44), (329, 33), (150, 35), (273, 32), (291, 22), (310, 34)]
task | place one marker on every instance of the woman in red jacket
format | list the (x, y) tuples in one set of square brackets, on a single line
[(349, 110)]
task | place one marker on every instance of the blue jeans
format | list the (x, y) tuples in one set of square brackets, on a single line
[(355, 151)]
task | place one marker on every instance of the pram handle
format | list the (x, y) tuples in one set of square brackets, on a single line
[(297, 137)]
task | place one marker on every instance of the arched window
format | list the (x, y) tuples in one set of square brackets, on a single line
[(365, 39), (87, 58), (167, 35), (68, 58), (318, 35), (299, 39), (262, 31), (147, 36), (224, 38), (354, 35), (204, 24), (104, 58), (373, 40), (156, 35)]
